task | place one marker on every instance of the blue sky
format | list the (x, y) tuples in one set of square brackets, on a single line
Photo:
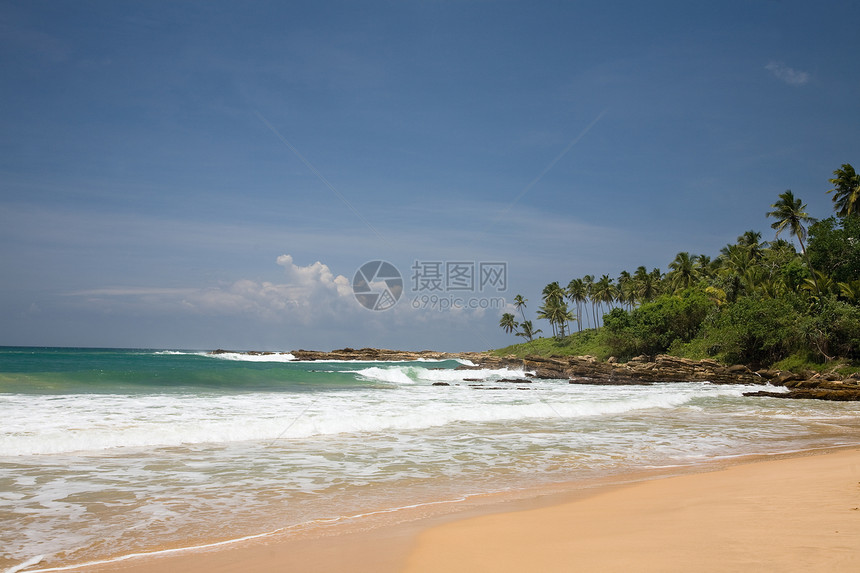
[(212, 174)]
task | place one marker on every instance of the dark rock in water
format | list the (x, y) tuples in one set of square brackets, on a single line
[(473, 379), (440, 384), (609, 382), (822, 384), (371, 354), (816, 389)]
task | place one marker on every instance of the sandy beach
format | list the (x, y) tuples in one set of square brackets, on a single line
[(800, 513)]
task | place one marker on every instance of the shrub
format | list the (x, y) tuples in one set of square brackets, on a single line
[(755, 331), (832, 329), (653, 327)]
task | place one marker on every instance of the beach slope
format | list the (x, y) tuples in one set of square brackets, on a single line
[(797, 514), (787, 514)]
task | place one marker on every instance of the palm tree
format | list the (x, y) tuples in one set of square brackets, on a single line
[(790, 213), (820, 282), (520, 304), (577, 294), (683, 271), (555, 310), (564, 315), (850, 291), (751, 240), (553, 291), (625, 289), (589, 294), (659, 278), (604, 292), (553, 296), (771, 287), (528, 330), (846, 191), (508, 323), (645, 285), (703, 266), (561, 315), (545, 313)]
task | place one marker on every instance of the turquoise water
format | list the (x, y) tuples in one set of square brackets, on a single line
[(107, 452)]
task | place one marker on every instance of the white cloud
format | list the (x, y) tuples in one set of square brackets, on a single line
[(309, 292), (306, 281), (786, 74)]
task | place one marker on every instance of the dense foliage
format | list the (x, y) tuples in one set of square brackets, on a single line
[(755, 303)]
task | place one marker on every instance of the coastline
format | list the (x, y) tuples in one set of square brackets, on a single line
[(488, 447), (641, 370), (751, 513)]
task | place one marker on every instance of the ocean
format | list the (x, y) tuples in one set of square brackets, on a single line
[(106, 453)]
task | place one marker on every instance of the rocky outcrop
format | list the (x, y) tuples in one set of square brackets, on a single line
[(845, 395), (372, 354), (818, 387), (479, 359), (589, 370)]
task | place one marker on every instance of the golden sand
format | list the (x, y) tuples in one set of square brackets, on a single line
[(795, 514)]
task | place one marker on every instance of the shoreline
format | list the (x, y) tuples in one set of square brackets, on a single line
[(641, 370), (596, 440), (408, 539), (799, 513)]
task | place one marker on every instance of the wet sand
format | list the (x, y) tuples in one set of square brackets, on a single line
[(799, 513)]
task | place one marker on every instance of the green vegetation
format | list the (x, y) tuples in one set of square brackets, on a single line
[(757, 303), (587, 342)]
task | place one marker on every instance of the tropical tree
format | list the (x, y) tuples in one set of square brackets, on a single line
[(735, 263), (682, 271), (820, 283), (704, 266), (589, 290), (850, 291), (604, 292), (790, 213), (520, 304), (624, 290), (562, 316), (645, 284), (553, 291), (508, 322), (846, 191), (751, 240), (528, 330), (555, 310), (577, 294)]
